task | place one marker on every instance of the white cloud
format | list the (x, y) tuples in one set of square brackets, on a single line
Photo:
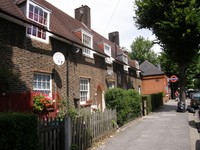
[(108, 16)]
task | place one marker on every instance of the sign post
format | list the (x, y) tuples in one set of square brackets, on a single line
[(173, 78)]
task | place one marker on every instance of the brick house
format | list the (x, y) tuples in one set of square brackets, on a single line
[(32, 32), (154, 80)]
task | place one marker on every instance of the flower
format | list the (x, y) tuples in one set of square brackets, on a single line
[(41, 101)]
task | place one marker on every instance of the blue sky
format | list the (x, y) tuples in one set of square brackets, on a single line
[(108, 16)]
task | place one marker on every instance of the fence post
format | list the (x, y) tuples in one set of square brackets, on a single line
[(67, 133)]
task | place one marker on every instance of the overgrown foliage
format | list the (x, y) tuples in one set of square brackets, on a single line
[(126, 103), (18, 131), (66, 109)]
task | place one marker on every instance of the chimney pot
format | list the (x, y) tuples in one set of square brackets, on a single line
[(82, 14)]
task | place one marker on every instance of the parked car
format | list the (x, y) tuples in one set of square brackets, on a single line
[(195, 100), (190, 92)]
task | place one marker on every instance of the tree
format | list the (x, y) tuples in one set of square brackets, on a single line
[(142, 50), (176, 25), (193, 74), (171, 68), (167, 65)]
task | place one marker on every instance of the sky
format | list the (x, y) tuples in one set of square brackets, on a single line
[(108, 16)]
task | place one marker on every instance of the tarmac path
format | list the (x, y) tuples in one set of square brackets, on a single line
[(165, 129)]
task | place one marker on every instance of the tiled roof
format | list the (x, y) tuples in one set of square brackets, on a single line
[(61, 24), (149, 69)]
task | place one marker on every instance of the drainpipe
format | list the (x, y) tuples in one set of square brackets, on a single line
[(67, 53)]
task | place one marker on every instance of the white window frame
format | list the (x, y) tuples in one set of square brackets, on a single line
[(107, 51), (87, 52), (41, 84), (84, 87), (137, 65), (125, 58), (33, 31), (111, 84)]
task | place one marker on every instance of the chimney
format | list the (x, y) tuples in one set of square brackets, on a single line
[(82, 14), (114, 37)]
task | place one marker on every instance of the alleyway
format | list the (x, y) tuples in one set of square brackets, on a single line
[(165, 129)]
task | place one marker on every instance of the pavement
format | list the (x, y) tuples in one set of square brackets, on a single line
[(165, 129)]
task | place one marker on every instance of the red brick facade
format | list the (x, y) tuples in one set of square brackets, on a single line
[(21, 57), (155, 84), (24, 56)]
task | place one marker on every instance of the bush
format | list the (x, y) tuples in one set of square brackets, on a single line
[(134, 103), (156, 100), (147, 98), (18, 131), (126, 102), (153, 101)]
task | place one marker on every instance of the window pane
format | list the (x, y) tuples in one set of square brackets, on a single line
[(84, 90), (34, 31), (41, 83), (31, 15), (29, 30), (30, 7)]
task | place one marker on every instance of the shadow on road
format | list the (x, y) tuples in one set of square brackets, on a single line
[(192, 124), (166, 108), (197, 145)]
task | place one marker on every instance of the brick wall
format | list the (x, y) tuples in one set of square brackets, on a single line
[(20, 57)]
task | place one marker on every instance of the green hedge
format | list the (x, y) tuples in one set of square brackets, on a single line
[(147, 98), (153, 101), (126, 102), (156, 100), (18, 131)]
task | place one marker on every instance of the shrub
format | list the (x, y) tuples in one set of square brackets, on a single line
[(126, 102), (153, 101), (66, 109), (134, 103), (18, 131), (147, 98), (156, 100)]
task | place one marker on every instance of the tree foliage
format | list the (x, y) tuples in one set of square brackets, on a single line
[(142, 50), (176, 25)]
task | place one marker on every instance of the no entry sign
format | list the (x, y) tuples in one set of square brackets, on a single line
[(173, 78)]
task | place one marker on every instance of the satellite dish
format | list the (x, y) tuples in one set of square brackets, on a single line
[(75, 49), (109, 71), (58, 58)]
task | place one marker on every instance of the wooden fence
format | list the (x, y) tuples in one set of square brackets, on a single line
[(92, 128), (76, 134), (51, 132)]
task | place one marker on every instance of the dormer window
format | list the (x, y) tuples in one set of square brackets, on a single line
[(107, 51), (39, 15), (87, 40), (125, 58)]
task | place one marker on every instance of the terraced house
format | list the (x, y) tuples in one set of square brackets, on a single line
[(42, 49)]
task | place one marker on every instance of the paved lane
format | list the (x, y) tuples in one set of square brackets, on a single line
[(165, 129)]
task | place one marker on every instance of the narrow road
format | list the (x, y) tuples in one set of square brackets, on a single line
[(165, 129)]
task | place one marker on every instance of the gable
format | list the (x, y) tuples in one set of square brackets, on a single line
[(149, 69)]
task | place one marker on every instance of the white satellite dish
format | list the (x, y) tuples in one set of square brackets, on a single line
[(58, 58)]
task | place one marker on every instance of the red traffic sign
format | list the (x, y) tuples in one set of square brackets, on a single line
[(173, 78)]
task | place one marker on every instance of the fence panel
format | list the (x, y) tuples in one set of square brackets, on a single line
[(51, 133), (80, 134), (92, 128)]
